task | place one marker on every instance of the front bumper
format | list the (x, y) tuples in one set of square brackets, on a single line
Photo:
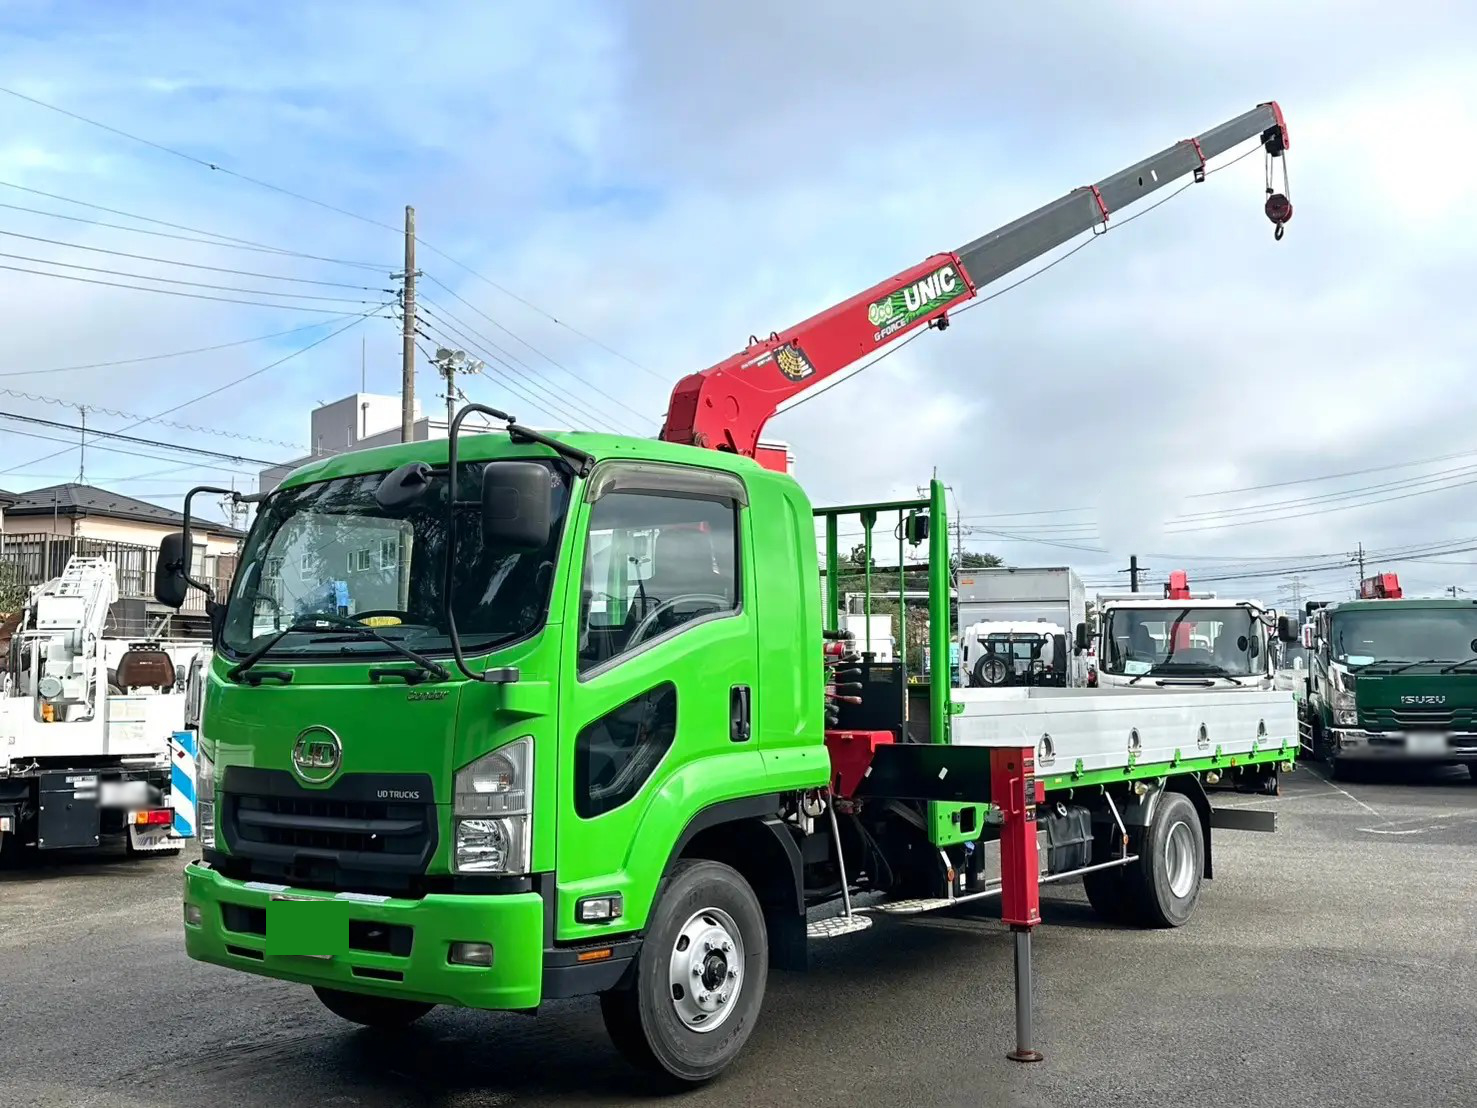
[(1406, 746), (513, 923)]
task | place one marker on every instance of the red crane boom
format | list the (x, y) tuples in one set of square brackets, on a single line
[(726, 406)]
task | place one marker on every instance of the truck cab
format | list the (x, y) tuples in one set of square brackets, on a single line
[(1393, 678), (1186, 640), (996, 654)]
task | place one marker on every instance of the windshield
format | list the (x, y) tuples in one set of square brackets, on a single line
[(330, 548), (1399, 634), (1186, 641), (1292, 654)]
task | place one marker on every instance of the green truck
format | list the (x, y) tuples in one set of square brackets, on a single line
[(523, 715), (1392, 678)]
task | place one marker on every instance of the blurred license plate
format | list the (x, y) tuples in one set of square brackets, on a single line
[(306, 928), (123, 794), (1430, 742)]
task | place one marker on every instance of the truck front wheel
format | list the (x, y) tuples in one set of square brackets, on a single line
[(1164, 883), (372, 1011), (700, 976)]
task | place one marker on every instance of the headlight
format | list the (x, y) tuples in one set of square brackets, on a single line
[(1345, 706), (205, 798), (492, 814)]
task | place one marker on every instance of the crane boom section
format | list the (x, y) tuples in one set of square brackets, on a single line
[(726, 406)]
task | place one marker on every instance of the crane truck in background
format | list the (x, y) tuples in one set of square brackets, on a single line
[(1185, 640), (1393, 678), (580, 722), (85, 745)]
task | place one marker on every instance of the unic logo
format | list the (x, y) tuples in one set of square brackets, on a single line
[(317, 755)]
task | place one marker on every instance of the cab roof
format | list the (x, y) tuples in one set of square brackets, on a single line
[(1403, 602), (486, 445)]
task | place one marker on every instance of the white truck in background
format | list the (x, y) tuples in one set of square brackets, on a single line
[(1185, 640), (86, 731), (1026, 613)]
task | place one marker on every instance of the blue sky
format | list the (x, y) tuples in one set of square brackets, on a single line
[(671, 178)]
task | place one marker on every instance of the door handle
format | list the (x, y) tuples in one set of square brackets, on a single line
[(738, 714)]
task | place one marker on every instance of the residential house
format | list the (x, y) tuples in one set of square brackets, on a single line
[(42, 528)]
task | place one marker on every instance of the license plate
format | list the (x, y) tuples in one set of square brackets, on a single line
[(1428, 743), (123, 794), (306, 927)]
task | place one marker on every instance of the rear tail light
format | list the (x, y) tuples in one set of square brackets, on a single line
[(156, 817)]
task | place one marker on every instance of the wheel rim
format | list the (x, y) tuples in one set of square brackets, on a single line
[(1179, 859), (706, 971)]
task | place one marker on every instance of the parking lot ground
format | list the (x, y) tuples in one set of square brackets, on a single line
[(1332, 963)]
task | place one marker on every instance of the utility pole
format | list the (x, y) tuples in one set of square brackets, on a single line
[(1133, 571), (1454, 589), (82, 462), (449, 363), (407, 352), (1359, 558)]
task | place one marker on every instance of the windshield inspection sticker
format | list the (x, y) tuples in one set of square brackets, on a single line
[(1135, 669)]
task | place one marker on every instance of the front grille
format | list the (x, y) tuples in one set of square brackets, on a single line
[(346, 836), (1409, 719)]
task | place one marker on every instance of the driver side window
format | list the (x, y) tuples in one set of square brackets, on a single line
[(654, 562)]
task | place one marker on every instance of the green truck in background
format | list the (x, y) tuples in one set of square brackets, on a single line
[(1392, 678)]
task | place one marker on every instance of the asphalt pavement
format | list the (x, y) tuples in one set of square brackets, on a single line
[(1332, 963)]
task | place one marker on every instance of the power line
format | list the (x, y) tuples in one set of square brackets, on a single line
[(1329, 497), (556, 364), (189, 284), (353, 322), (190, 265), (174, 292), (1335, 476), (117, 436), (225, 239), (221, 242), (563, 405), (134, 415), (217, 168), (119, 450), (163, 357)]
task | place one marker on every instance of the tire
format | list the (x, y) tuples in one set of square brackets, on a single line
[(658, 1023), (372, 1011), (991, 672), (1164, 884), (1472, 773), (1107, 892)]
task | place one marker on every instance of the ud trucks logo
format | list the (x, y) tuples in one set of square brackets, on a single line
[(1423, 700), (912, 302), (316, 755)]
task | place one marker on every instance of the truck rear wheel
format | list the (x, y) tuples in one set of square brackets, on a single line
[(372, 1011), (1164, 883), (700, 976)]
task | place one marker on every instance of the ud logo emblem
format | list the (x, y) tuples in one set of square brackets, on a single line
[(316, 755)]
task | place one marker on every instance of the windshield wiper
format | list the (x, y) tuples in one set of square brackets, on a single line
[(336, 624), (1459, 665), (1422, 662)]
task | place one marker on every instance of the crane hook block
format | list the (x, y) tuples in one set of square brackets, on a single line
[(1279, 211)]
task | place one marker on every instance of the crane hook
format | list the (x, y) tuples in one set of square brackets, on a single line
[(1279, 211)]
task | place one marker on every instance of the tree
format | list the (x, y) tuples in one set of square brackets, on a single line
[(13, 588), (972, 559)]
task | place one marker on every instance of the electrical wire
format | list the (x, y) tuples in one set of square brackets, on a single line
[(163, 357), (561, 406), (189, 284), (217, 168), (38, 398), (353, 321), (117, 436), (175, 292), (556, 364), (191, 265), (224, 239), (103, 446)]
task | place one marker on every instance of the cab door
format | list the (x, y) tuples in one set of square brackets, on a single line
[(658, 690)]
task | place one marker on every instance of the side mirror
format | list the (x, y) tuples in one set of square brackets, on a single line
[(1083, 641), (403, 487), (1254, 647), (517, 504), (1309, 639), (1288, 630), (171, 569)]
